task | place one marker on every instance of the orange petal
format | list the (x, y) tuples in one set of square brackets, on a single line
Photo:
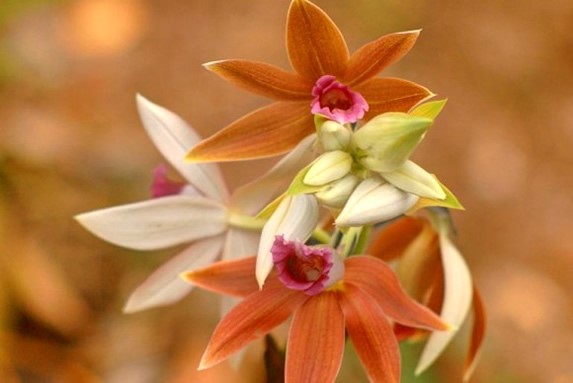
[(391, 242), (264, 79), (266, 132), (254, 317), (315, 45), (478, 335), (372, 335), (235, 278), (373, 57), (389, 94), (316, 341), (376, 278), (420, 265)]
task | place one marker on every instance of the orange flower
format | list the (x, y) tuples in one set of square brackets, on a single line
[(433, 271), (362, 302), (316, 49)]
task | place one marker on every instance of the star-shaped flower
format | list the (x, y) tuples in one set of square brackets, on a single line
[(326, 297), (201, 211), (327, 79)]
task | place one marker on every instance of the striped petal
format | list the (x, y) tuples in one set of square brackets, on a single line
[(173, 137), (391, 95), (165, 286), (252, 197), (457, 301), (315, 45), (372, 336), (377, 279), (295, 219), (251, 319), (266, 132), (373, 57), (316, 341), (235, 277), (157, 223), (263, 79), (391, 242)]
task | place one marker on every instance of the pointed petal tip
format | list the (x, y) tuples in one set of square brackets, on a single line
[(204, 363), (210, 64), (132, 307), (412, 31)]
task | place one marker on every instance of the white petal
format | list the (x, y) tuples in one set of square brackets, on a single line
[(252, 197), (174, 137), (295, 218), (165, 286), (458, 293), (374, 201), (241, 243), (413, 179), (157, 223)]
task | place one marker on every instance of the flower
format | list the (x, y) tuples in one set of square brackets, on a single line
[(433, 271), (200, 212), (362, 299), (323, 68)]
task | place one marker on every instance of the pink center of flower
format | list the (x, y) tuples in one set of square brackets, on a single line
[(337, 101), (162, 186), (305, 268)]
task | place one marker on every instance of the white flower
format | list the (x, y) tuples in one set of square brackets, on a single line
[(215, 224)]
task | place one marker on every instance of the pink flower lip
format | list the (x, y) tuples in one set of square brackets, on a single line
[(305, 268), (162, 186), (336, 101)]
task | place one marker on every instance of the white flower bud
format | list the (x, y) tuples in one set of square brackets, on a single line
[(329, 167), (334, 136), (338, 192), (374, 201)]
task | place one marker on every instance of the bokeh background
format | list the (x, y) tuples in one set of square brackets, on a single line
[(71, 141)]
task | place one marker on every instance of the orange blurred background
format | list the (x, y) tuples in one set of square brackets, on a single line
[(71, 141)]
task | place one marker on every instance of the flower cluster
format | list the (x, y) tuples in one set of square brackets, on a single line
[(345, 234)]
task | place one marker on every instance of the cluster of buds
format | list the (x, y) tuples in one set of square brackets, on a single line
[(345, 234)]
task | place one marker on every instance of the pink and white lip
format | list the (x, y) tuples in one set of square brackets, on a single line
[(310, 269), (337, 101)]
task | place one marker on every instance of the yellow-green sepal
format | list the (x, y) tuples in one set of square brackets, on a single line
[(429, 109), (450, 201)]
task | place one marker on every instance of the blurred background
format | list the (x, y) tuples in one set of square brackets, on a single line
[(71, 141)]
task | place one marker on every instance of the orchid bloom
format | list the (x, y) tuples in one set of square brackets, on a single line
[(200, 211), (326, 296), (433, 271), (327, 81)]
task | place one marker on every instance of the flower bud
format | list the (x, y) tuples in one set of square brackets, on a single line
[(374, 201), (389, 139), (329, 167), (333, 136), (338, 192)]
